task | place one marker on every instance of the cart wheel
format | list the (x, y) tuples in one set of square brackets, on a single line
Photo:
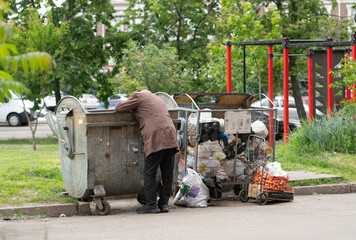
[(106, 208), (243, 196), (141, 198), (261, 198)]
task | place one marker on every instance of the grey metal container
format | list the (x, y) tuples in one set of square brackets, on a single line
[(101, 152)]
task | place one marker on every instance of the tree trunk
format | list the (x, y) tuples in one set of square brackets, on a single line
[(57, 90), (30, 125), (296, 92)]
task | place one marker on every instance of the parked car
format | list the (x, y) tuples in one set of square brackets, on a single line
[(89, 101), (278, 103), (279, 125), (50, 101), (113, 101), (12, 110)]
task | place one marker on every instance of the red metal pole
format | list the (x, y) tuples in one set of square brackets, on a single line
[(330, 94), (354, 59), (310, 84), (228, 67), (286, 89), (270, 94), (348, 90)]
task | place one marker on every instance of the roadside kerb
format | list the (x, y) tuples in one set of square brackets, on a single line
[(326, 189), (50, 210)]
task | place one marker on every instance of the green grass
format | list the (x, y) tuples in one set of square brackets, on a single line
[(340, 164), (29, 141), (326, 134), (28, 176)]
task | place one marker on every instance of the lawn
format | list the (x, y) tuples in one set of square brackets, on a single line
[(28, 176), (340, 164)]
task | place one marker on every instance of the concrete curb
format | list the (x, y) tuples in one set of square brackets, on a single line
[(52, 210), (83, 208), (326, 189)]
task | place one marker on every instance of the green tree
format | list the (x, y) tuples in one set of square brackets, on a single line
[(41, 35), (187, 25), (11, 62), (240, 21), (304, 19), (157, 69), (84, 53)]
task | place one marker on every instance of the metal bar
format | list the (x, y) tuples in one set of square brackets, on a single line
[(286, 93), (307, 40), (266, 42), (310, 85), (270, 93), (329, 53), (291, 55), (244, 69), (320, 44), (228, 69), (273, 42), (197, 139)]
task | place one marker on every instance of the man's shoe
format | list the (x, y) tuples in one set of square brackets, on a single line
[(163, 208), (148, 209)]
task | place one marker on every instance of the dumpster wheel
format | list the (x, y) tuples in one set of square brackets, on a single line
[(105, 208)]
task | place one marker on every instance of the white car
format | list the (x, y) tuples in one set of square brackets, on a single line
[(13, 110), (278, 103), (89, 101), (50, 101)]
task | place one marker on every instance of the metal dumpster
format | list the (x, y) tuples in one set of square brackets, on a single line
[(101, 151)]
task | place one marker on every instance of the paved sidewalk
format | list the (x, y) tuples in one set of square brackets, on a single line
[(129, 204)]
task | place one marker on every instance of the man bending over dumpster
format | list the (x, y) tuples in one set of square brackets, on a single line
[(160, 145)]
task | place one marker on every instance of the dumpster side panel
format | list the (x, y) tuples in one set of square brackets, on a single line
[(116, 153), (74, 164)]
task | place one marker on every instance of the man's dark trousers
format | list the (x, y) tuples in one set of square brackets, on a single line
[(165, 160)]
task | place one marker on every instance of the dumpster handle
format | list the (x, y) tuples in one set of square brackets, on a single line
[(51, 124)]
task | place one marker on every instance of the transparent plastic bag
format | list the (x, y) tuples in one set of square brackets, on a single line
[(193, 192)]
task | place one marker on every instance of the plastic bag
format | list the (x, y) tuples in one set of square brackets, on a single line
[(259, 128), (193, 192), (228, 166), (275, 169)]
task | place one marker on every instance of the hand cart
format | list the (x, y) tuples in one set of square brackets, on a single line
[(235, 110), (256, 191)]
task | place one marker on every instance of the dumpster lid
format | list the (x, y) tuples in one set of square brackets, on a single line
[(215, 100)]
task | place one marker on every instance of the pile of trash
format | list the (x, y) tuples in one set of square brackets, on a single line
[(220, 157)]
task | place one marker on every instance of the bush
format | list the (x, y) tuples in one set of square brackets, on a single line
[(330, 134)]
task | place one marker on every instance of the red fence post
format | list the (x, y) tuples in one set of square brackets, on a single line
[(348, 90), (353, 39), (286, 88), (228, 67), (310, 84), (329, 64), (270, 94)]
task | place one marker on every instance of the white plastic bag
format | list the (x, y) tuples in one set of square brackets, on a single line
[(275, 169), (259, 128), (193, 192)]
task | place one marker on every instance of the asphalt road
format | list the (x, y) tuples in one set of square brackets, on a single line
[(7, 132), (307, 217)]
